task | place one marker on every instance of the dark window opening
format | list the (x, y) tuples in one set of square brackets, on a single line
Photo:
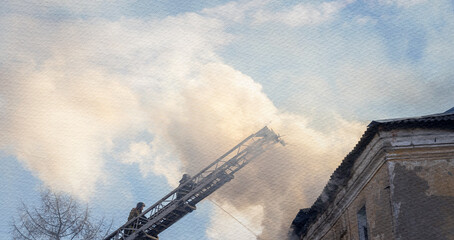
[(362, 224)]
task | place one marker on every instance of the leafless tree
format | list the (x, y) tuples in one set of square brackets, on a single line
[(58, 217)]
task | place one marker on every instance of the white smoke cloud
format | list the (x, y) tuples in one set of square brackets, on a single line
[(70, 89), (218, 108), (86, 83), (59, 126)]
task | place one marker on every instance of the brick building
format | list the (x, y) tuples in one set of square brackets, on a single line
[(397, 183)]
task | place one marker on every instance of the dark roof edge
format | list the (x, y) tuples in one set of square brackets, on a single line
[(342, 174)]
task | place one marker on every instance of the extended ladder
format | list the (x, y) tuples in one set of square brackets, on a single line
[(173, 206)]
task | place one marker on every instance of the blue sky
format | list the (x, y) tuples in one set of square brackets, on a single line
[(113, 101)]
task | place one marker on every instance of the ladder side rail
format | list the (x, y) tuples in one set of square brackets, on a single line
[(197, 198), (257, 150), (203, 181), (213, 166), (236, 166), (202, 184), (199, 195), (262, 133), (195, 178), (170, 196), (223, 156), (246, 161), (199, 178), (208, 179), (137, 220), (257, 134), (221, 178), (174, 205), (153, 221)]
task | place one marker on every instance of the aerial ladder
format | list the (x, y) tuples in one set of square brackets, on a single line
[(176, 205)]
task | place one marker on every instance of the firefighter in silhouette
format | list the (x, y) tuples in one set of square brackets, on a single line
[(135, 212), (185, 190)]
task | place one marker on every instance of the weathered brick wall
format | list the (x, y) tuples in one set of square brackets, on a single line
[(375, 196), (423, 198), (405, 180)]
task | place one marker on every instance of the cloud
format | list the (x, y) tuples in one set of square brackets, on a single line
[(155, 157), (302, 14), (70, 89), (374, 92), (57, 10), (258, 12), (58, 126), (219, 107), (402, 3), (285, 178), (235, 11)]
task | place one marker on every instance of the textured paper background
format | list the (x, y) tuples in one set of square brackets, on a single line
[(113, 101)]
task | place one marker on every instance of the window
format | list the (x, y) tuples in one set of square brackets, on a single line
[(362, 224)]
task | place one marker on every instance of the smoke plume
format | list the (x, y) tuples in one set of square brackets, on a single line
[(224, 106), (70, 89)]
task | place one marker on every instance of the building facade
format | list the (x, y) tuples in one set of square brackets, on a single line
[(397, 183)]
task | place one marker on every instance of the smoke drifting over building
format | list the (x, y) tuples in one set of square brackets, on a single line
[(395, 184), (222, 109), (65, 103)]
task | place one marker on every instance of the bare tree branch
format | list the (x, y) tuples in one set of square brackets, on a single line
[(59, 217), (36, 224), (19, 232)]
